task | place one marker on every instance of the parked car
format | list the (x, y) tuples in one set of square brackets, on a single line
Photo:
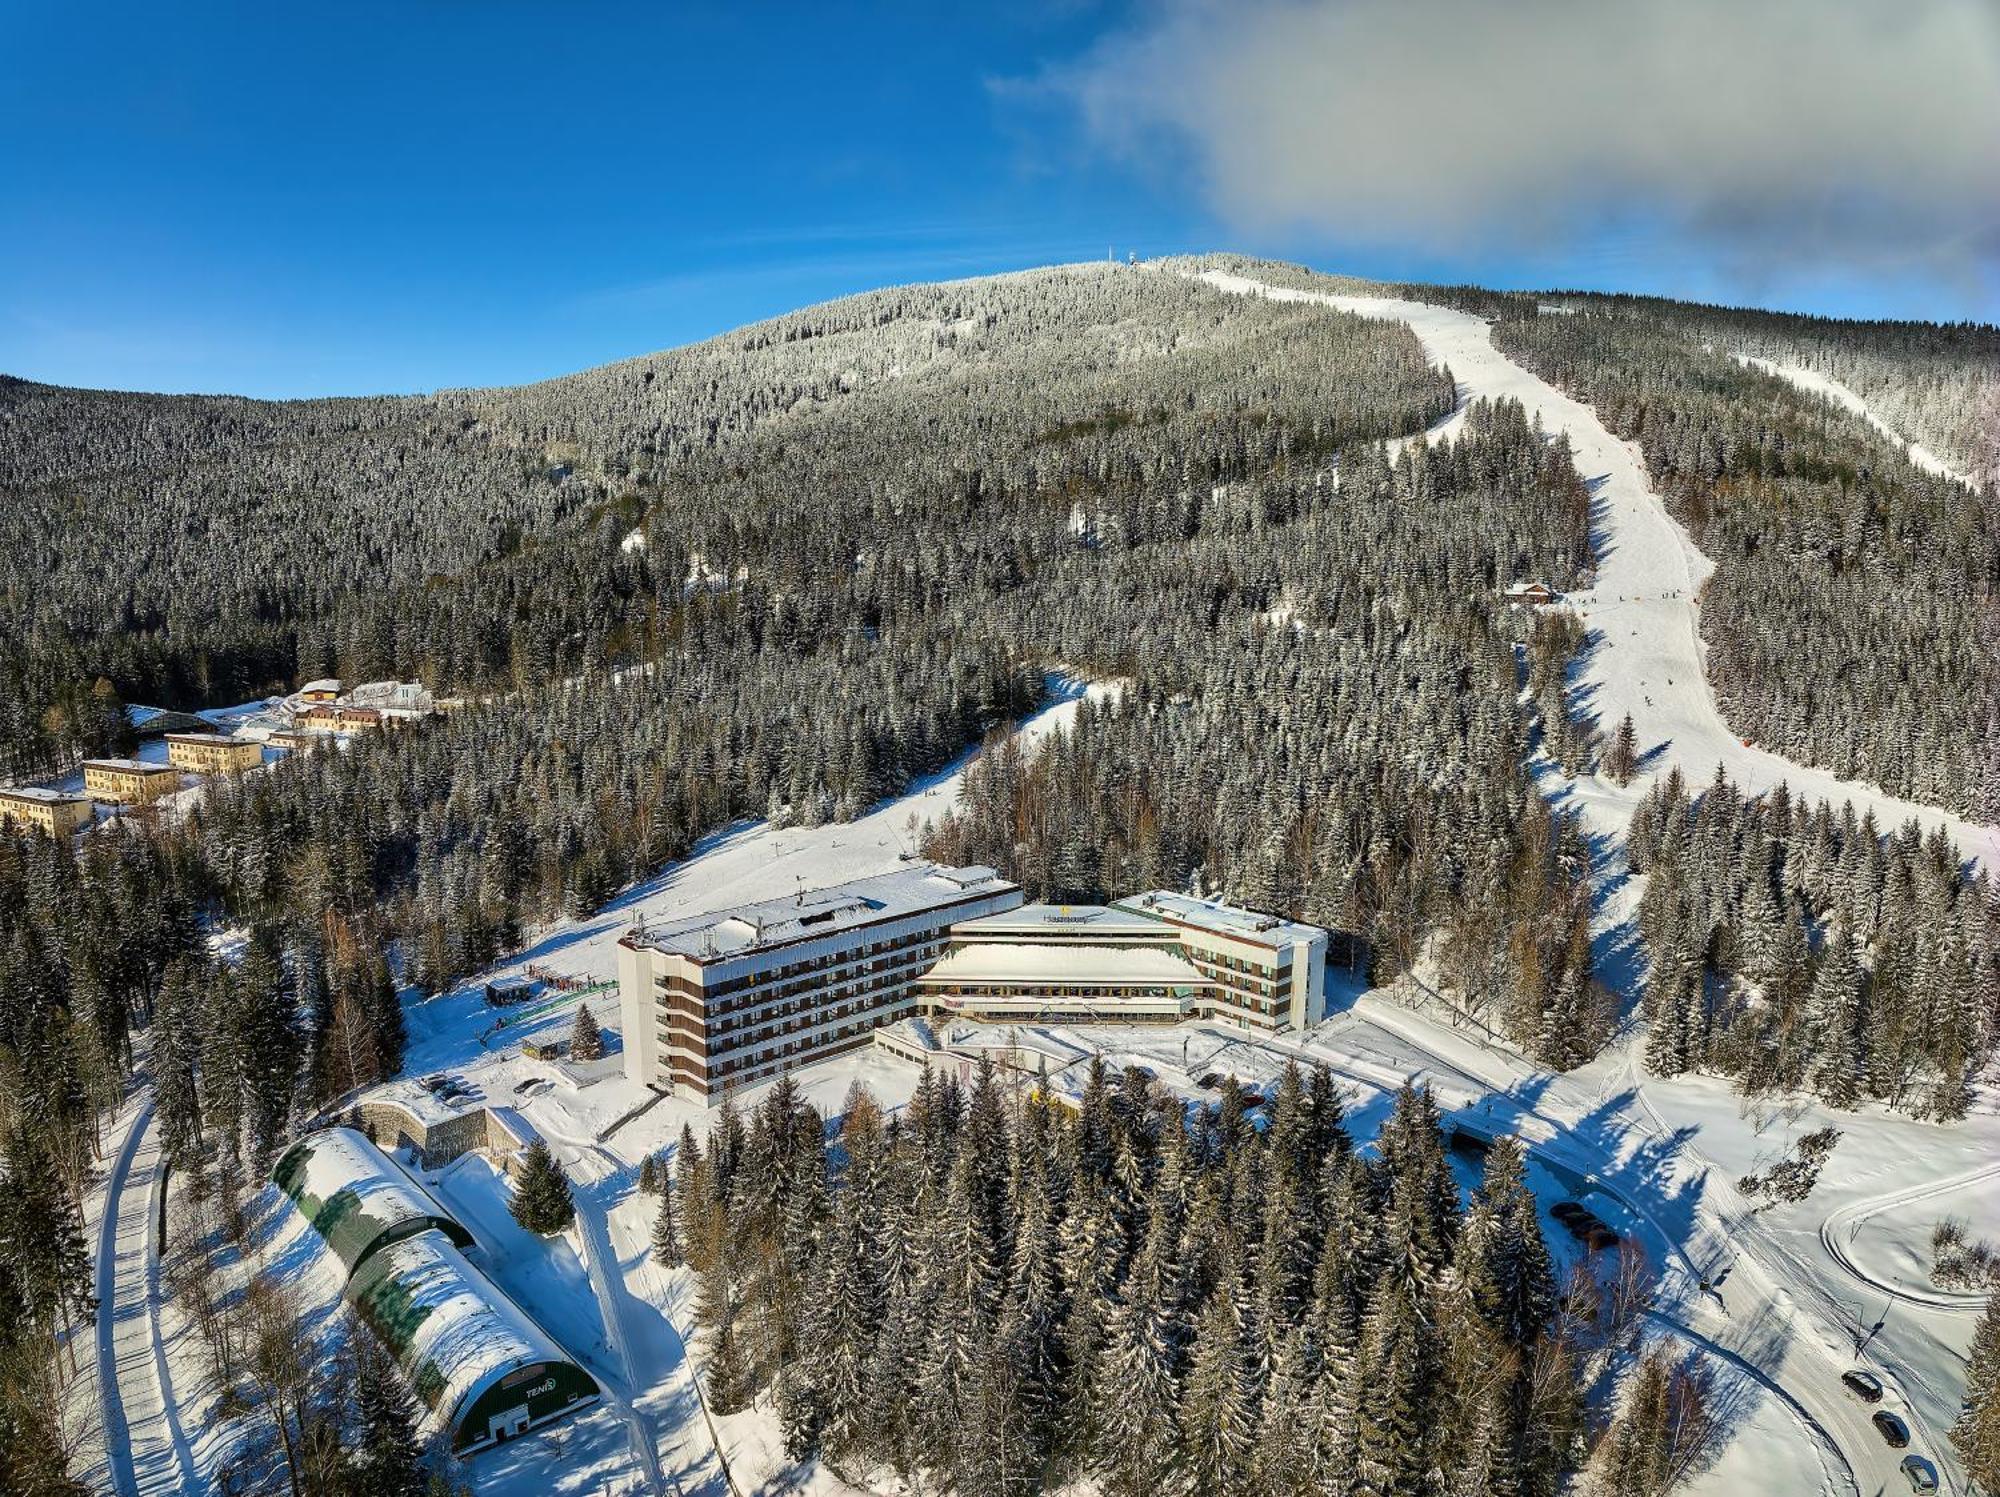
[(1917, 1471), (1893, 1429), (1584, 1225), (1862, 1385)]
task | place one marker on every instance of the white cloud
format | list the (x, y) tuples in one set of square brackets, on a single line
[(1843, 132)]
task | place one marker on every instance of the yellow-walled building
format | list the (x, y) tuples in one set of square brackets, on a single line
[(55, 812), (213, 753), (127, 782)]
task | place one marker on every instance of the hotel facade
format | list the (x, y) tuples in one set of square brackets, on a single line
[(52, 811), (213, 753), (731, 998), (128, 782), (1155, 957), (727, 999)]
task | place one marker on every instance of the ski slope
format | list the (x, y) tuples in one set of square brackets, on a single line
[(1829, 388), (1643, 612)]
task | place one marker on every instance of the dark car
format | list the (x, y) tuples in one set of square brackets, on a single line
[(1917, 1472), (1894, 1431), (1584, 1225), (1862, 1385)]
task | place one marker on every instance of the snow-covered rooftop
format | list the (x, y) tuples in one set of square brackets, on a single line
[(1075, 922), (1041, 964), (130, 766), (216, 738), (356, 1197), (1222, 919), (40, 794), (819, 912)]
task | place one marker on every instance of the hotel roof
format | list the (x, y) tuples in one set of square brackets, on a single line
[(1065, 922), (1221, 919), (40, 794), (212, 738), (130, 766), (1042, 965), (813, 913)]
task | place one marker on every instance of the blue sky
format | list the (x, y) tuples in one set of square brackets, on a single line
[(293, 200)]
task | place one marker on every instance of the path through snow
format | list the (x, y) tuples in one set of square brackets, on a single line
[(1648, 655), (144, 1442)]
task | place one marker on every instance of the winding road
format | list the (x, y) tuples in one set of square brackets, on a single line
[(1836, 1235)]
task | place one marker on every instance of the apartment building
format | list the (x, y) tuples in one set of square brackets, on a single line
[(54, 812), (333, 717), (213, 753), (733, 997), (1154, 957), (128, 782)]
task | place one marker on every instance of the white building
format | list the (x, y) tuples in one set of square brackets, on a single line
[(725, 999), (1155, 957)]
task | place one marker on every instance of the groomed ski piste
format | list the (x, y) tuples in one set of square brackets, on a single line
[(1795, 1295), (1829, 388), (1646, 655)]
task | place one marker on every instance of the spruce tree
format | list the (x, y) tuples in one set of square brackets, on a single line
[(586, 1040), (390, 1457), (667, 1250), (542, 1201), (1219, 1412), (1621, 759), (1976, 1435)]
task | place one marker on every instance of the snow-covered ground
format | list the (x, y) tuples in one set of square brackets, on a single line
[(1654, 1158), (1657, 1159), (1646, 658), (1826, 386), (1792, 1296)]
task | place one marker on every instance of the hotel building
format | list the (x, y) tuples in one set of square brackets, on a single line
[(128, 782), (723, 1000), (1154, 957), (55, 812), (213, 753)]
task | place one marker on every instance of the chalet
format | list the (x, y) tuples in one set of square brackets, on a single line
[(128, 782), (1531, 594), (213, 753), (320, 691), (54, 812)]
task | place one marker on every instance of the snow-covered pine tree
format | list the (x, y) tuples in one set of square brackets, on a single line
[(586, 1040), (1976, 1435), (542, 1201)]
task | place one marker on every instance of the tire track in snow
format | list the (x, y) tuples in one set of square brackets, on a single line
[(1837, 1231)]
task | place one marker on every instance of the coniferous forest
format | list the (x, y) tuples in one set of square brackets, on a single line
[(784, 573), (997, 1294)]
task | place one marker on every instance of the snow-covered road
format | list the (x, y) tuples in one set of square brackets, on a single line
[(1648, 659), (144, 1443)]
